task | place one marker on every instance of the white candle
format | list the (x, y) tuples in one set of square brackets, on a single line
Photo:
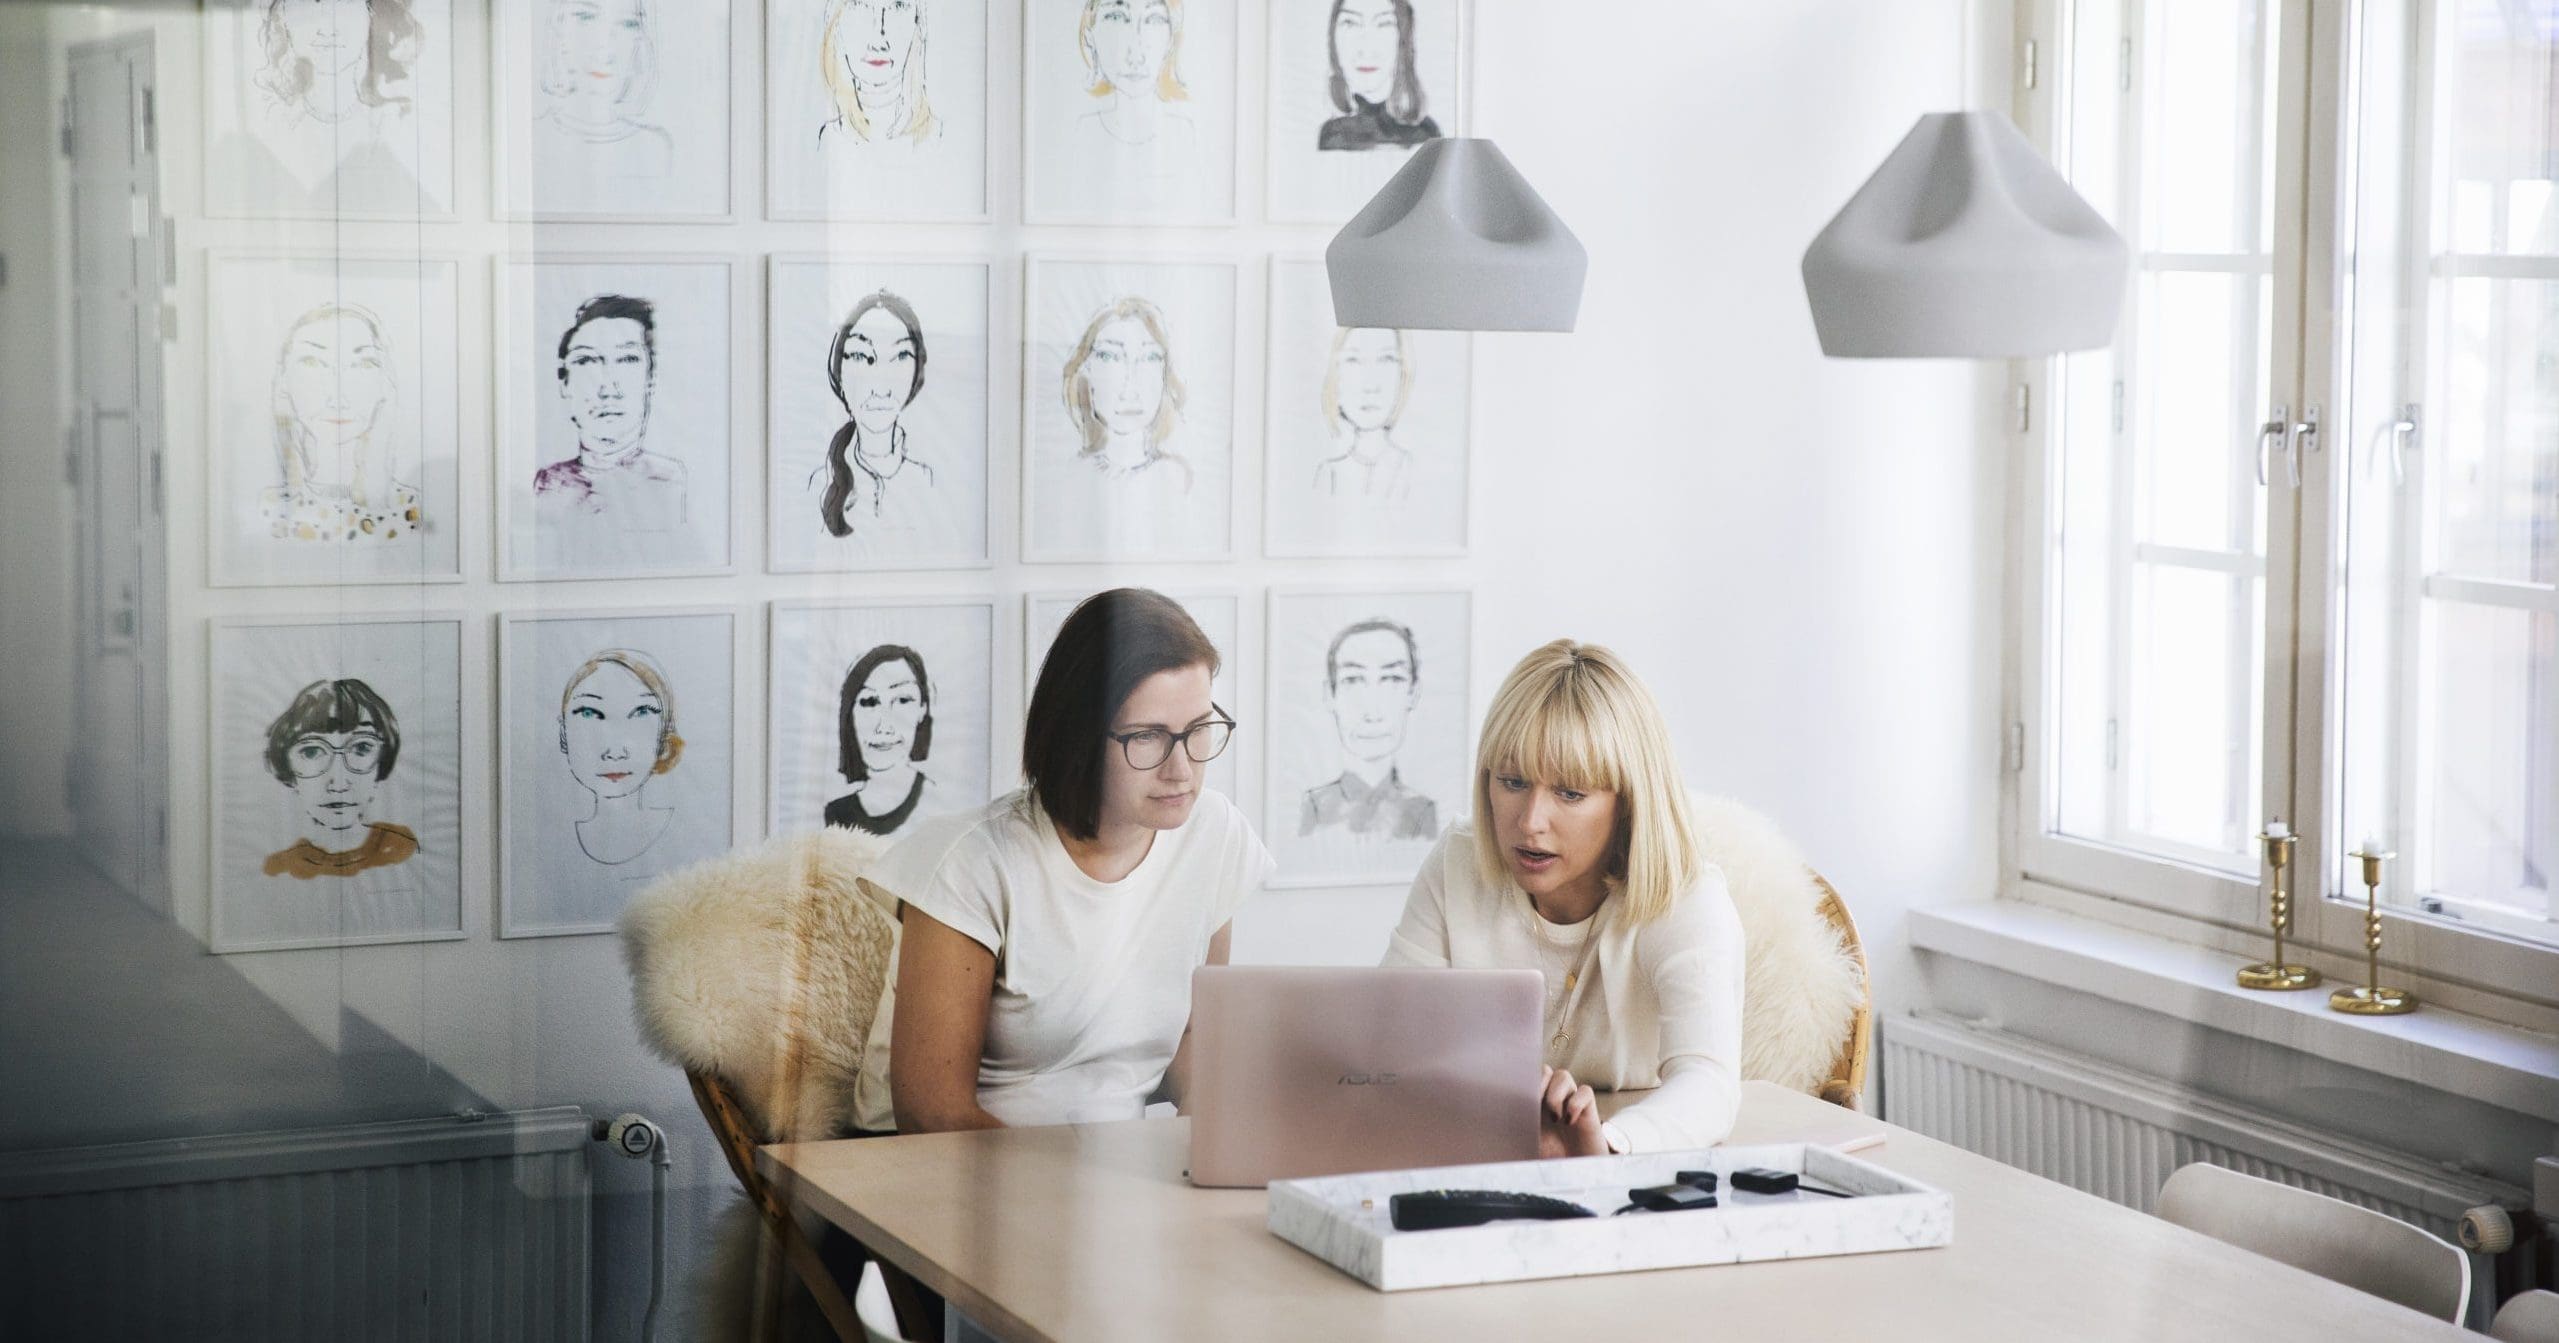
[(2278, 830), (2373, 845)]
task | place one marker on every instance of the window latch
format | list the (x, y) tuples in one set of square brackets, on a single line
[(2403, 440), (2269, 435)]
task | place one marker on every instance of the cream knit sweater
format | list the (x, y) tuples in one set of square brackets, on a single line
[(1661, 1005)]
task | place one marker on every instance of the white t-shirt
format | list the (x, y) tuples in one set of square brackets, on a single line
[(1660, 1005), (1092, 979)]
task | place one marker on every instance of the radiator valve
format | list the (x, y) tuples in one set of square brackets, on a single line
[(631, 1135), (2487, 1229)]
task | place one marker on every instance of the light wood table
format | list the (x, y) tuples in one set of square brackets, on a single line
[(1089, 1232)]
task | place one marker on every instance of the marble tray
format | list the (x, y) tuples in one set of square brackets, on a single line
[(1342, 1219)]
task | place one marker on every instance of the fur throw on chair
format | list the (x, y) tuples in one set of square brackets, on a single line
[(765, 967), (1801, 986)]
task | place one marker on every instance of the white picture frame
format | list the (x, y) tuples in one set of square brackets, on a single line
[(836, 327), (1157, 148), (605, 110), (1366, 447), (629, 717), (301, 121), (397, 865), (1220, 614), (323, 372), (1337, 129), (941, 739), (831, 151), (1156, 478), (1363, 778), (651, 499)]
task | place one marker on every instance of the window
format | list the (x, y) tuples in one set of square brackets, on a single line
[(2294, 549)]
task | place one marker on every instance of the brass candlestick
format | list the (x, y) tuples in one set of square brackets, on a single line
[(2371, 999), (2275, 973)]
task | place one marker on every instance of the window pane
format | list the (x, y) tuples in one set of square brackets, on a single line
[(2496, 432), (2489, 815), (2156, 597), (2500, 137)]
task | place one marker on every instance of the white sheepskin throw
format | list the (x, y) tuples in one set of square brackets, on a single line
[(1800, 986), (765, 967)]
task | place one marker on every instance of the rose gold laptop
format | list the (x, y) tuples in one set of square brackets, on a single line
[(1318, 1071)]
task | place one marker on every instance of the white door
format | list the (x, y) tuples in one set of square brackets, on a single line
[(119, 760)]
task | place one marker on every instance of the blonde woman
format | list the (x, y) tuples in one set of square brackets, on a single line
[(1123, 395), (1582, 861), (333, 401), (1132, 52)]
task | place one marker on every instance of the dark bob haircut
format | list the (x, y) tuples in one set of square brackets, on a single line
[(604, 306), (1113, 641), (332, 706), (848, 748)]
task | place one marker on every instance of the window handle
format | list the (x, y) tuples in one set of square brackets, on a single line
[(2403, 440), (2304, 437), (2272, 431)]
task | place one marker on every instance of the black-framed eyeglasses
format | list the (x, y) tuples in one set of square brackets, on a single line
[(310, 757), (1150, 747)]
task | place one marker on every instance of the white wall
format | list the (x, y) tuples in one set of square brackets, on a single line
[(1799, 554)]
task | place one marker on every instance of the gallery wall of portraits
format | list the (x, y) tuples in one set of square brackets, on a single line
[(631, 428)]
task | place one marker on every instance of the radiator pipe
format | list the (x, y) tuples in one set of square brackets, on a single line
[(634, 1136)]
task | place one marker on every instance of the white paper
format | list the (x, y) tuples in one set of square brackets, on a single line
[(876, 109), (613, 432), (613, 107), (878, 454), (328, 110), (1395, 92), (619, 764), (920, 744), (1371, 748), (335, 422), (368, 848), (1129, 411), (1129, 111), (1367, 452)]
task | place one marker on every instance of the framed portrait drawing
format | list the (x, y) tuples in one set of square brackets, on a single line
[(606, 109), (336, 771), (333, 420), (619, 764), (1219, 618), (876, 109), (1128, 112), (878, 410), (1366, 452), (881, 714), (1371, 743), (1356, 86), (1128, 415), (613, 379), (332, 110)]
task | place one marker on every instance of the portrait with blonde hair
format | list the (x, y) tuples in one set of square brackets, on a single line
[(328, 108), (1581, 860), (1131, 423), (336, 398), (1130, 110), (872, 57), (877, 109), (617, 759)]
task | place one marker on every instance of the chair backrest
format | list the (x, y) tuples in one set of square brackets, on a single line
[(2363, 1249), (1806, 1008), (764, 968), (1847, 1079), (2530, 1317)]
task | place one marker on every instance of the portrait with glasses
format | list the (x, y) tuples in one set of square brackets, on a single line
[(336, 777)]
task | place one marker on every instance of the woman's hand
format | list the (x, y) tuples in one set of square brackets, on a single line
[(1568, 1118)]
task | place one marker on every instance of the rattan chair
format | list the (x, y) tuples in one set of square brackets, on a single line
[(1847, 1080)]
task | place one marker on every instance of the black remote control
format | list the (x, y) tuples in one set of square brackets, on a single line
[(1437, 1209)]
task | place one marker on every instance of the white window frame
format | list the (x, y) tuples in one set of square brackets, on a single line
[(2469, 966)]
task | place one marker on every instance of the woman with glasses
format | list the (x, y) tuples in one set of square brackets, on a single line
[(334, 746), (1048, 938)]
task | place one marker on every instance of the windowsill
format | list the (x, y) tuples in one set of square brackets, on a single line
[(2448, 1051)]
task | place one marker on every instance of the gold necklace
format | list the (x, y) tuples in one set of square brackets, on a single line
[(1563, 1003)]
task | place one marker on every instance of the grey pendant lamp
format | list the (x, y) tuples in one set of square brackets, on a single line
[(1457, 241), (1966, 243)]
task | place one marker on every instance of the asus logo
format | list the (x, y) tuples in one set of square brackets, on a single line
[(1367, 1080)]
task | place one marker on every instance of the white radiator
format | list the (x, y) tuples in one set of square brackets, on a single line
[(429, 1229), (2117, 1134)]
